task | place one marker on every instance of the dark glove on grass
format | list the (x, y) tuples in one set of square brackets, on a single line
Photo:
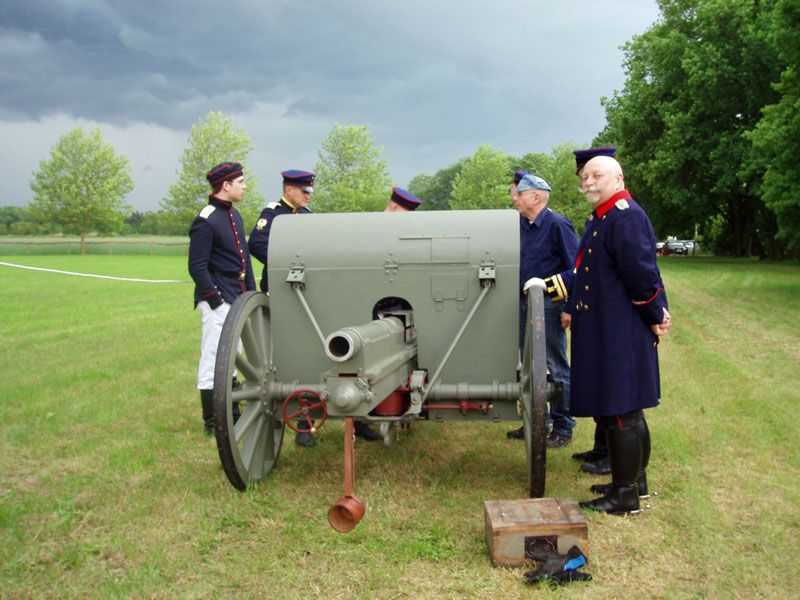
[(555, 567)]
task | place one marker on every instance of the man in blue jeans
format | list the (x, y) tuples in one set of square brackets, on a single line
[(548, 244)]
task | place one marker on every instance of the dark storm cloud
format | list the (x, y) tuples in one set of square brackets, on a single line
[(433, 80)]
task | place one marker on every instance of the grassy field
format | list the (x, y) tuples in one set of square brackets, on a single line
[(158, 245), (109, 489)]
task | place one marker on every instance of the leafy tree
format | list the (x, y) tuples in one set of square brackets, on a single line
[(483, 181), (12, 214), (435, 190), (212, 140), (351, 175), (558, 169), (696, 81), (83, 185), (776, 138)]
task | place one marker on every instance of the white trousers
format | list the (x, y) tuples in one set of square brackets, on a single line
[(212, 327)]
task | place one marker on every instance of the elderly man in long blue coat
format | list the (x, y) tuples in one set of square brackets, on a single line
[(619, 312)]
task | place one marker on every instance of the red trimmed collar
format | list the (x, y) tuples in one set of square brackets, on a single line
[(609, 204)]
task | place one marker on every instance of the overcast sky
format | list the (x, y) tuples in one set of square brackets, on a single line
[(432, 80)]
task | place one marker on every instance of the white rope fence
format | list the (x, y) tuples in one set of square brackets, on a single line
[(7, 264)]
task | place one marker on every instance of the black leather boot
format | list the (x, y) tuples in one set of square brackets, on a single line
[(625, 452), (516, 434), (644, 439), (641, 485), (236, 386), (207, 402), (598, 467), (598, 451), (641, 481), (303, 436), (364, 431)]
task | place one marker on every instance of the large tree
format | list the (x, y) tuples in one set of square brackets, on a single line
[(351, 175), (82, 187), (776, 138), (212, 140), (483, 181), (435, 190), (696, 83), (558, 169)]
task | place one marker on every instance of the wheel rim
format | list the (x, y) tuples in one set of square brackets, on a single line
[(533, 379), (249, 447)]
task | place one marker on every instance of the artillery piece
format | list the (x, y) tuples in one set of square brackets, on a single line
[(423, 314)]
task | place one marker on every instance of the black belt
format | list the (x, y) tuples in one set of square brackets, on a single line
[(240, 275)]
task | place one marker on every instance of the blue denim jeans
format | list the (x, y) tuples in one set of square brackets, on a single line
[(557, 364)]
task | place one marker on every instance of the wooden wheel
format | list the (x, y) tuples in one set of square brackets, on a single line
[(249, 445), (533, 382)]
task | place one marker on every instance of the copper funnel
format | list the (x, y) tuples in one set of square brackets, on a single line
[(348, 510)]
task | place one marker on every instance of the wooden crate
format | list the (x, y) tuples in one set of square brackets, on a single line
[(518, 529)]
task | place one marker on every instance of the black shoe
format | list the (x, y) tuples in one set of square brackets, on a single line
[(366, 432), (303, 436), (304, 439), (641, 482), (516, 434), (599, 467), (555, 440), (620, 500), (592, 455), (599, 448)]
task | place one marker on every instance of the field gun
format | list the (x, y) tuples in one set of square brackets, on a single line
[(422, 311)]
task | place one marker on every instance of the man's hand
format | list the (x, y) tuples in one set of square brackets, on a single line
[(661, 328), (566, 320)]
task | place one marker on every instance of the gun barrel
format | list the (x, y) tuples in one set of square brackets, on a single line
[(344, 344)]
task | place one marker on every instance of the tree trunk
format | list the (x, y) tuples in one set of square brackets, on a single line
[(83, 242)]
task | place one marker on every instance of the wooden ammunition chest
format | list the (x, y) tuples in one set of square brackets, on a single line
[(516, 530)]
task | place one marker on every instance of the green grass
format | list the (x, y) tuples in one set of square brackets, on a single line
[(108, 488)]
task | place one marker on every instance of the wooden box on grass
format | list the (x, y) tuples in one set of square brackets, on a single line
[(516, 530)]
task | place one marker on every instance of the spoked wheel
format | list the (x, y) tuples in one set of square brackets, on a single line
[(533, 380), (250, 445)]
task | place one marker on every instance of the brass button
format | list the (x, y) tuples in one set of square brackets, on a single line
[(586, 288), (586, 269), (594, 234), (585, 307), (604, 217), (590, 250)]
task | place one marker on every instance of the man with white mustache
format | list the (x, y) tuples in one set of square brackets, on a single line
[(619, 312)]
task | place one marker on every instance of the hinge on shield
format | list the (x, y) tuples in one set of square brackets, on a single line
[(297, 276), (487, 273)]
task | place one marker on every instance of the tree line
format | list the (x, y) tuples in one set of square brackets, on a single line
[(706, 126)]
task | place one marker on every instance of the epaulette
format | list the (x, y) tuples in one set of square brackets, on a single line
[(206, 212), (273, 205), (622, 204)]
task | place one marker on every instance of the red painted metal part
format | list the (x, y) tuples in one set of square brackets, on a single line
[(463, 405), (348, 510), (305, 411)]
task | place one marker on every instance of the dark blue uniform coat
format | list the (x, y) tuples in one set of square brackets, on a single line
[(218, 254), (547, 246), (259, 238), (616, 295)]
